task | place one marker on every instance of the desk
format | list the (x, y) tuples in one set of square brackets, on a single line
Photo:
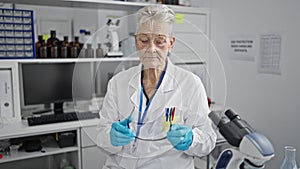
[(21, 128)]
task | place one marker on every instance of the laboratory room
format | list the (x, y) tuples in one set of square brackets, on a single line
[(149, 84)]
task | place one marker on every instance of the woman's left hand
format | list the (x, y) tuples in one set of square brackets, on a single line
[(181, 137)]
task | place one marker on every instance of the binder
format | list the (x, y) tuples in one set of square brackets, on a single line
[(6, 98)]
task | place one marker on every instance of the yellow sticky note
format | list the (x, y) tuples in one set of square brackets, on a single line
[(179, 18), (166, 124), (45, 36)]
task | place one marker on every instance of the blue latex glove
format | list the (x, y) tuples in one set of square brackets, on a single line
[(181, 137), (120, 133)]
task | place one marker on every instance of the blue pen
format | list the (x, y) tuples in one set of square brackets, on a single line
[(167, 114)]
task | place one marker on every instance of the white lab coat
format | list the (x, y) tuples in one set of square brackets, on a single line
[(180, 89)]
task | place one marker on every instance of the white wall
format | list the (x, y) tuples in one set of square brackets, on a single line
[(270, 103), (80, 18)]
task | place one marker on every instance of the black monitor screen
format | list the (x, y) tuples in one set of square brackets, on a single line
[(44, 83)]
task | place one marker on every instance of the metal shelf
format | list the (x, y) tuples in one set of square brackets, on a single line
[(22, 155), (116, 59)]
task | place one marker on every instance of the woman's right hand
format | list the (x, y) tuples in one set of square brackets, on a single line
[(120, 133)]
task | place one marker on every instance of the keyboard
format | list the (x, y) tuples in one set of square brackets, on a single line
[(57, 118)]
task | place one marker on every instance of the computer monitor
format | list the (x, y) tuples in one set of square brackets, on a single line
[(47, 83)]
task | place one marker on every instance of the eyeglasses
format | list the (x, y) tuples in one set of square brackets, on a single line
[(144, 39)]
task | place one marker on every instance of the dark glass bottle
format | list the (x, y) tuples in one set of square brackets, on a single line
[(74, 51), (53, 39), (66, 40), (43, 50), (54, 50), (76, 42), (38, 45), (65, 48)]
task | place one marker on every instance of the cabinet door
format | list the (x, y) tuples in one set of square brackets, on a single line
[(191, 47), (191, 23), (89, 136), (192, 40), (93, 158)]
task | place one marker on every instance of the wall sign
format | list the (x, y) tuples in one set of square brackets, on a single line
[(241, 47)]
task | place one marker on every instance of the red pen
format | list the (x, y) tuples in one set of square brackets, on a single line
[(173, 113)]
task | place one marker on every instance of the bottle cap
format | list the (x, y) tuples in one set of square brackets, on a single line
[(82, 31), (40, 37)]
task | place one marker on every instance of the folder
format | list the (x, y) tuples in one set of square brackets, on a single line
[(6, 98)]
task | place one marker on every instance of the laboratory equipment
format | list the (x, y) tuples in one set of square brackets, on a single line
[(89, 52), (289, 161), (113, 38), (251, 150)]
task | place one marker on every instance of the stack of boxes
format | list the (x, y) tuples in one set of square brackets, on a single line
[(16, 34)]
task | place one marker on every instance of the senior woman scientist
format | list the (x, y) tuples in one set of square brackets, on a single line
[(143, 100)]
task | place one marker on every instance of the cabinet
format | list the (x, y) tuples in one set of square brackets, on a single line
[(92, 155), (81, 155)]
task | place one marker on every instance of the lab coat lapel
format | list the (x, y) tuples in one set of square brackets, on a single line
[(169, 82), (135, 86)]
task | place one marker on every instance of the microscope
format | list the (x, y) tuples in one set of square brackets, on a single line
[(250, 149), (113, 39)]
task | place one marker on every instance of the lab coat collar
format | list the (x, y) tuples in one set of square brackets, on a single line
[(167, 85)]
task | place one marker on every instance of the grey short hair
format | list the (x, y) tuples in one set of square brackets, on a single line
[(161, 13)]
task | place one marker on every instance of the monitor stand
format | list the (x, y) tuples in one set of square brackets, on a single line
[(58, 108), (47, 109)]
